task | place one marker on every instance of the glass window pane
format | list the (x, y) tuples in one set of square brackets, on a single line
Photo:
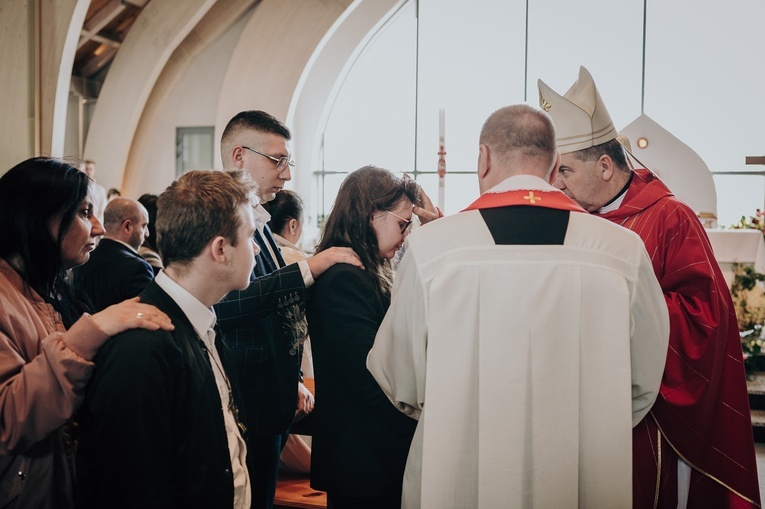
[(193, 149), (738, 195), (471, 62), (372, 121), (328, 187), (460, 190), (471, 58), (707, 91)]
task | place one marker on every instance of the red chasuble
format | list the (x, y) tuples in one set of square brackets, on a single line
[(702, 412)]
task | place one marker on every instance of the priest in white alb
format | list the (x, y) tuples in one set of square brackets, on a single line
[(526, 336)]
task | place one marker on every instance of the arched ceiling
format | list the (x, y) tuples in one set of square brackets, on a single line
[(264, 70)]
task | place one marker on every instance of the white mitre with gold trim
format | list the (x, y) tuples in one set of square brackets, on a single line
[(580, 115)]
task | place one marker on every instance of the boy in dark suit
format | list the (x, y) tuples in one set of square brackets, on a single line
[(161, 424)]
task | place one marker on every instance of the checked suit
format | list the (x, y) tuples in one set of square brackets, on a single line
[(257, 324)]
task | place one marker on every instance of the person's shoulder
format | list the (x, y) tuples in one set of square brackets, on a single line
[(107, 250), (106, 244), (458, 231), (138, 343), (343, 275), (139, 262), (605, 231), (675, 206), (341, 271), (14, 295)]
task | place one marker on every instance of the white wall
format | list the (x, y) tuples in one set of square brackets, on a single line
[(193, 102)]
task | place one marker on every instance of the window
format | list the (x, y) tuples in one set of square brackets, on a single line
[(193, 149)]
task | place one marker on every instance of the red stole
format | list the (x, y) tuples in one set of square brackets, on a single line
[(552, 199)]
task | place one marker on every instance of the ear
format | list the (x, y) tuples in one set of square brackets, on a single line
[(237, 157), (127, 225), (217, 248), (292, 225), (484, 168), (605, 165), (554, 172), (484, 164)]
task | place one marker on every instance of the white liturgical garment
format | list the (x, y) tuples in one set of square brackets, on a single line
[(527, 365)]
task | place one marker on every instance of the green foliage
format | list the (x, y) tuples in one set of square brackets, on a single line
[(749, 302)]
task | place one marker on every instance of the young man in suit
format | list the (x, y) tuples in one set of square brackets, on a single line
[(115, 270), (161, 426), (262, 324)]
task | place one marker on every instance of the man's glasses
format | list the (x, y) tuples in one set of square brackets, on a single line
[(407, 222), (281, 162)]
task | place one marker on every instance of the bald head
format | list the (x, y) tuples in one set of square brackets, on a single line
[(126, 220), (518, 140)]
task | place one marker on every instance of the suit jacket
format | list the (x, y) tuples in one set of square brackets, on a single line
[(360, 440), (112, 274), (258, 327), (152, 433)]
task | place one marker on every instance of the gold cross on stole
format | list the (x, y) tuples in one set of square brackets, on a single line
[(533, 199)]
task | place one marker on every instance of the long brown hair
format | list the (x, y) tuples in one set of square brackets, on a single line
[(362, 193)]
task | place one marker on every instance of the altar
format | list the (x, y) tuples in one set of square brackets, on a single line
[(738, 246)]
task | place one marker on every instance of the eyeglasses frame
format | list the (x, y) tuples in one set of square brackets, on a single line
[(408, 221), (281, 162)]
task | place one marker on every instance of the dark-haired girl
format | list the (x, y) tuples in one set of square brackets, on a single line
[(360, 440)]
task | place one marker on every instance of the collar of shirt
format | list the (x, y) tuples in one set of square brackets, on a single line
[(517, 182), (261, 217), (616, 202), (202, 318), (614, 205)]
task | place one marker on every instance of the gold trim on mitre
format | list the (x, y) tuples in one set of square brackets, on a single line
[(580, 115)]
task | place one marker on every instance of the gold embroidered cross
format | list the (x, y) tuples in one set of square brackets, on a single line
[(533, 199)]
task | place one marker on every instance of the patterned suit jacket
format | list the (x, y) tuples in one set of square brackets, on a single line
[(258, 324)]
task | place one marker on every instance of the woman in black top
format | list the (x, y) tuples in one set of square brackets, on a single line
[(360, 440)]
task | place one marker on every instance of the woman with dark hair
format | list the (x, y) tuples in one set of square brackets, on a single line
[(286, 224), (360, 440), (47, 339), (148, 249)]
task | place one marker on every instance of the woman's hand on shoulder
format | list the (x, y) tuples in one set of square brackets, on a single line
[(131, 314)]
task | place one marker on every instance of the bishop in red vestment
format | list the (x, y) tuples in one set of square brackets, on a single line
[(701, 418)]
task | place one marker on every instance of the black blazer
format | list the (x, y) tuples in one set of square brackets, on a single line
[(112, 274), (257, 325), (360, 440), (152, 433)]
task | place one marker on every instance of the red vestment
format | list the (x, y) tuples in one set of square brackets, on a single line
[(702, 412)]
